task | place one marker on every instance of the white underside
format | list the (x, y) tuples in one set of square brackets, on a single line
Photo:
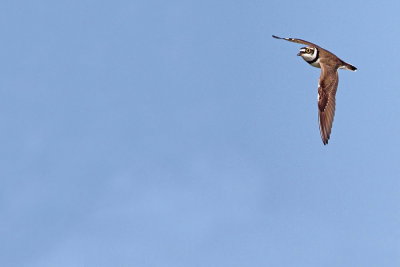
[(316, 64)]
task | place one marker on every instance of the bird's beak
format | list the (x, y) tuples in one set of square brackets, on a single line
[(299, 54)]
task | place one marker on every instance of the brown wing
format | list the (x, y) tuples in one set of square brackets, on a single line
[(294, 40), (327, 87)]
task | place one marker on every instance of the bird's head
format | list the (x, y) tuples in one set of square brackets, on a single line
[(308, 53)]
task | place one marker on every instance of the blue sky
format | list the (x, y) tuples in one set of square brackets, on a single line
[(179, 133)]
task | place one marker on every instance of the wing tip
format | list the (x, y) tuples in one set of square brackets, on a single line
[(324, 129), (324, 135)]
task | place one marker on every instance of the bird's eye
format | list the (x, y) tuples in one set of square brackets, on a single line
[(308, 50)]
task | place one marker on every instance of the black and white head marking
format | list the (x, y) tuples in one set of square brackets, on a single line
[(310, 55)]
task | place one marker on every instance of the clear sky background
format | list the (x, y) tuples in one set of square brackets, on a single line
[(179, 133)]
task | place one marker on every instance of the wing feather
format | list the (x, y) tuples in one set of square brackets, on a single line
[(328, 84), (295, 40)]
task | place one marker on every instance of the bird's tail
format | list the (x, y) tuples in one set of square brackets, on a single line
[(348, 66)]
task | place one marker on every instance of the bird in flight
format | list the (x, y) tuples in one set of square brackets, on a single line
[(329, 64)]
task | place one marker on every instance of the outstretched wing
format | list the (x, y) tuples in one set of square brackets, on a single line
[(328, 83), (294, 40)]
